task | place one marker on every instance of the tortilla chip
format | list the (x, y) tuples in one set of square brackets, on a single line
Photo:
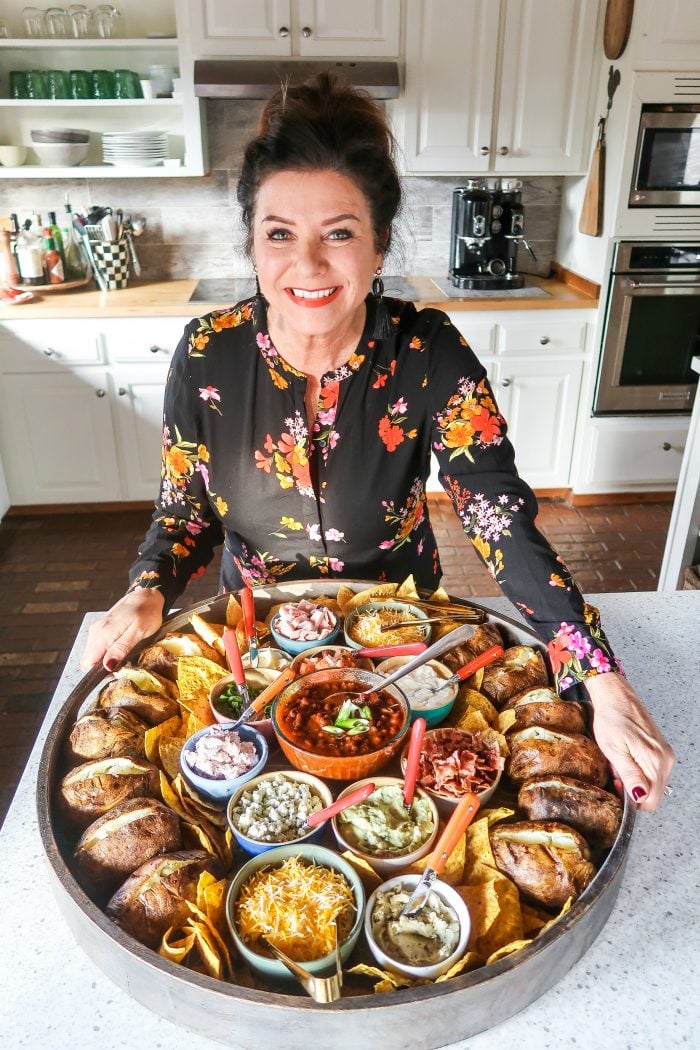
[(369, 877), (408, 589), (471, 699), (195, 678), (440, 595), (195, 806), (169, 749), (507, 949), (175, 945), (453, 872), (209, 633), (506, 719), (372, 594), (215, 842), (193, 726), (478, 849), (474, 722), (534, 919), (441, 629), (343, 597), (499, 813), (211, 898), (234, 612), (387, 982), (494, 908), (468, 962), (152, 738), (212, 945)]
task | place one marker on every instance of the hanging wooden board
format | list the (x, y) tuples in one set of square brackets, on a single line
[(618, 22)]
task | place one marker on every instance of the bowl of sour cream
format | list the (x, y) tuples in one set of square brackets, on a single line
[(424, 688)]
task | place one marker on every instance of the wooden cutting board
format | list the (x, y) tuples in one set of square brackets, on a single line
[(618, 22)]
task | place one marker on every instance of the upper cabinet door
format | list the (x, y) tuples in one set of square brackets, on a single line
[(546, 78), (444, 119), (669, 35), (336, 27), (239, 27)]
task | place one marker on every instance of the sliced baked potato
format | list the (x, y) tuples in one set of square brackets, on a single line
[(162, 657), (149, 695), (541, 706), (154, 897), (548, 861), (537, 751), (106, 733), (92, 789), (117, 843), (591, 810), (485, 636), (521, 667)]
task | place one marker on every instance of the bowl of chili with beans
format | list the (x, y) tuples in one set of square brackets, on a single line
[(322, 734)]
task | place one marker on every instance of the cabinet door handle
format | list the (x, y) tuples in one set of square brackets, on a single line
[(122, 391), (506, 382), (544, 340), (50, 352), (306, 32), (283, 31), (100, 392), (155, 349), (666, 446), (484, 151), (504, 151)]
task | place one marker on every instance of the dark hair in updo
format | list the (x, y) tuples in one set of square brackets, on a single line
[(325, 125)]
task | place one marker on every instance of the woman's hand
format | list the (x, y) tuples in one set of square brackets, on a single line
[(630, 739), (131, 619)]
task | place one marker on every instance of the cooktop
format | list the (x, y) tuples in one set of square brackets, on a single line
[(229, 290)]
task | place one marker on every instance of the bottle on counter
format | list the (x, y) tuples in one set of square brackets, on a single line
[(14, 234), (74, 262), (55, 232), (30, 255), (53, 262), (9, 274)]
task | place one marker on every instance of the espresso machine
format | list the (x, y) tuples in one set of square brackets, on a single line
[(488, 224)]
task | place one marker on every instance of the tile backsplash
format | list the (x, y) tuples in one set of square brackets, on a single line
[(193, 225)]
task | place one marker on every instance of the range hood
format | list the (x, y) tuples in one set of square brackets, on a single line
[(261, 78)]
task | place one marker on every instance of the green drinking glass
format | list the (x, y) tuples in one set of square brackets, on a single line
[(103, 84), (58, 83), (80, 83), (37, 86), (19, 83), (127, 84)]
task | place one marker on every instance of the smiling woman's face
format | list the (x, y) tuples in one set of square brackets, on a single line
[(315, 251)]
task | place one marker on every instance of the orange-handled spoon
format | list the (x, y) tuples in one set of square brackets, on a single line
[(233, 655), (353, 799), (464, 813), (411, 775), (263, 699)]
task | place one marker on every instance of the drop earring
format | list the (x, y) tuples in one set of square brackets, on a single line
[(258, 294), (383, 327)]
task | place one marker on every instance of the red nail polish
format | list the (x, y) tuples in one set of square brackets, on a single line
[(638, 793), (111, 664)]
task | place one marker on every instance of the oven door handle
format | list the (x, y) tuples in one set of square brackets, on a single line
[(668, 285)]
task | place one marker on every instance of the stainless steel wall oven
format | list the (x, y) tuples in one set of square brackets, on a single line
[(652, 329)]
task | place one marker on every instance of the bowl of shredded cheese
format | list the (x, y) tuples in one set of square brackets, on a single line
[(375, 623), (293, 896)]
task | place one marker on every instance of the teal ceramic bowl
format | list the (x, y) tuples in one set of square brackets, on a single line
[(435, 714), (294, 646), (267, 966)]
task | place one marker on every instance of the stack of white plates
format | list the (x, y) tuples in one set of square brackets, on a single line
[(137, 149)]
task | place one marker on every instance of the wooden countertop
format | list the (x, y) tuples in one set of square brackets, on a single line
[(170, 299)]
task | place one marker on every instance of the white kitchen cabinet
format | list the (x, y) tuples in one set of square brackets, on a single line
[(180, 118), (497, 86), (308, 28), (138, 410), (624, 454), (57, 437), (668, 34)]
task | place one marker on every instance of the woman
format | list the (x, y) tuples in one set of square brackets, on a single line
[(299, 425)]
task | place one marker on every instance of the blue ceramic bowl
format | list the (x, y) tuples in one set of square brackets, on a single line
[(294, 646), (218, 792), (255, 846), (267, 966)]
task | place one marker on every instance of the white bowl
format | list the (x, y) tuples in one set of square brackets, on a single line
[(451, 898), (387, 865), (61, 154), (12, 156)]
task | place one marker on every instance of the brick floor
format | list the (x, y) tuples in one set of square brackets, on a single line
[(55, 568)]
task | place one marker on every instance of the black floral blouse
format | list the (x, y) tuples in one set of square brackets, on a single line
[(348, 499)]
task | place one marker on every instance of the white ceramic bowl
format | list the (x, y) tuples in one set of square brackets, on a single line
[(451, 898), (12, 156), (61, 154), (387, 865)]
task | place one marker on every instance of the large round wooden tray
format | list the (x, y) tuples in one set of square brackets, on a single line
[(421, 1018)]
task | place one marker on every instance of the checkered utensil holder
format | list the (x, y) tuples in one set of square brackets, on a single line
[(112, 260)]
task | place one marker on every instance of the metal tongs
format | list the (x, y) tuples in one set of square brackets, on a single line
[(321, 989)]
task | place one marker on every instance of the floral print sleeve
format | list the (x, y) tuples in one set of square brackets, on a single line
[(184, 531), (498, 510)]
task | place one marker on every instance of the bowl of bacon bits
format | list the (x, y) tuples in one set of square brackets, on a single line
[(297, 626), (453, 762)]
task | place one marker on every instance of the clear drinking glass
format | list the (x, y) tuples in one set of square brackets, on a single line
[(34, 21), (4, 31), (81, 21), (57, 23), (108, 21)]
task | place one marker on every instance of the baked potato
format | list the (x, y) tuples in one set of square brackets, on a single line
[(117, 843), (537, 751), (549, 862), (92, 789), (521, 667), (161, 658), (484, 636), (540, 706), (107, 733), (154, 897), (150, 696), (591, 810)]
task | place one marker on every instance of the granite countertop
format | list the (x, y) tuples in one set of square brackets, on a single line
[(631, 990), (171, 298)]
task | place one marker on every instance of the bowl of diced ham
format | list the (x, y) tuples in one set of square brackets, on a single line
[(302, 625)]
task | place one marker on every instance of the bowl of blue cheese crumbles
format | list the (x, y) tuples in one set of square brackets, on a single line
[(272, 810)]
